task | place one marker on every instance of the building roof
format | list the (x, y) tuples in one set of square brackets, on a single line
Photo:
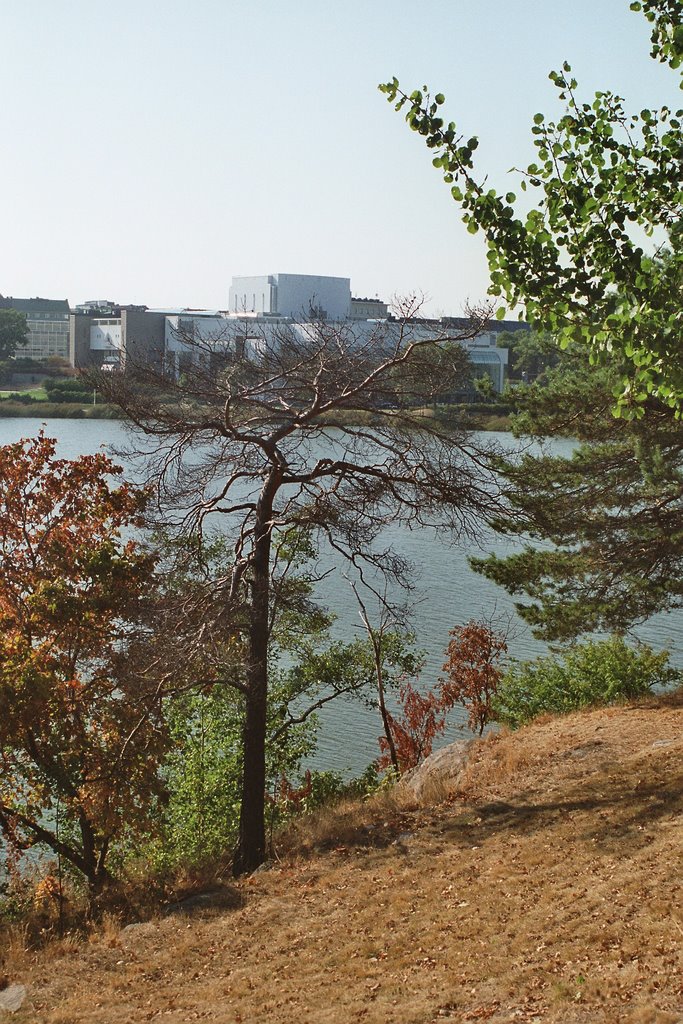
[(35, 305), (490, 327)]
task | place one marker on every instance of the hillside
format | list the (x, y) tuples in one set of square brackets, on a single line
[(550, 890)]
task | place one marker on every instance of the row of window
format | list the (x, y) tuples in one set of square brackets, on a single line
[(46, 347), (47, 316)]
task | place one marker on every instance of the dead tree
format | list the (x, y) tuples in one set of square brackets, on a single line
[(317, 426)]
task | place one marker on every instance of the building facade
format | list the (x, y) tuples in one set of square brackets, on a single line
[(115, 335), (262, 312), (48, 327), (193, 337)]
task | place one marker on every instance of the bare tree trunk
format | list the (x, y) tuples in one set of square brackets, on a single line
[(376, 636), (383, 707), (251, 844), (93, 862)]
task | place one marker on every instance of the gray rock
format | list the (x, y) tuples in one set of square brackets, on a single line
[(12, 997), (438, 776)]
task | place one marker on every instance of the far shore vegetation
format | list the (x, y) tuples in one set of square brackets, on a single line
[(71, 395)]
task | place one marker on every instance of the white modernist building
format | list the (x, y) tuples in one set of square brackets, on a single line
[(295, 295), (261, 308), (191, 337)]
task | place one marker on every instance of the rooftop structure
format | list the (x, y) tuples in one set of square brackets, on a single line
[(368, 309), (295, 295)]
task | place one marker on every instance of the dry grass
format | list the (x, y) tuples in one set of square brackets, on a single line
[(551, 890)]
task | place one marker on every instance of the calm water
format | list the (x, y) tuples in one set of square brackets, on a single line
[(447, 593)]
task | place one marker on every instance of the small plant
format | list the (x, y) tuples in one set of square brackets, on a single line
[(321, 789), (288, 798), (597, 672)]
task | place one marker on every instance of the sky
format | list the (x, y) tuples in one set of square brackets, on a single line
[(152, 149)]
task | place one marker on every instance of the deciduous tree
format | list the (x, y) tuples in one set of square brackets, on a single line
[(13, 332), (409, 738), (473, 671), (79, 734), (577, 263), (472, 675)]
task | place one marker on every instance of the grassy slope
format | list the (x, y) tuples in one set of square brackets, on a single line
[(550, 890)]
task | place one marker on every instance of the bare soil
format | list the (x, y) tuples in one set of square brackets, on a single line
[(550, 889)]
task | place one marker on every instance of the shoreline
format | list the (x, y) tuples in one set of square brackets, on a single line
[(471, 419), (58, 411)]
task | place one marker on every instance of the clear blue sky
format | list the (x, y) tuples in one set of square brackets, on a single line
[(154, 148)]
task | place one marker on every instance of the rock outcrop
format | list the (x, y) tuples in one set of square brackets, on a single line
[(438, 776)]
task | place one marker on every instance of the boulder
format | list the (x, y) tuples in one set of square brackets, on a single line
[(12, 997), (439, 774)]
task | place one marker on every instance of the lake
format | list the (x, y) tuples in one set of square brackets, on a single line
[(447, 593)]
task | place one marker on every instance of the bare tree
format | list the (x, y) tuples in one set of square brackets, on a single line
[(377, 633), (317, 426)]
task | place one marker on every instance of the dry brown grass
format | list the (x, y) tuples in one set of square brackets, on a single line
[(549, 891)]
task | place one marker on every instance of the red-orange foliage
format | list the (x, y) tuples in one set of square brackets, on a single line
[(472, 680), (79, 737), (424, 718), (472, 671), (289, 797)]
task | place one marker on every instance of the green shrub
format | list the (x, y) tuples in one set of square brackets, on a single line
[(67, 390), (328, 787), (20, 396), (597, 672)]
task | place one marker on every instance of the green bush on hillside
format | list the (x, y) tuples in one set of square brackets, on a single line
[(597, 672)]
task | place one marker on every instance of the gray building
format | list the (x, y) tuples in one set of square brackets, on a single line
[(114, 336), (48, 326)]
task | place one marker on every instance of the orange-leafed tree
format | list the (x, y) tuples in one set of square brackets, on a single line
[(473, 671), (81, 732), (473, 674), (423, 719)]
